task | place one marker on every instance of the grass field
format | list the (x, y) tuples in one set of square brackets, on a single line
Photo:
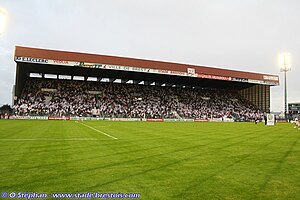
[(158, 160)]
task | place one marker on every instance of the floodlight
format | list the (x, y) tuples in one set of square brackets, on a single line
[(285, 66), (284, 60), (3, 19)]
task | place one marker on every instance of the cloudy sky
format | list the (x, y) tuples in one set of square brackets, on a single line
[(243, 35)]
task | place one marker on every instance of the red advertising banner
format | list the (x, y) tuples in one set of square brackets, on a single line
[(58, 118), (224, 78), (201, 120), (155, 120)]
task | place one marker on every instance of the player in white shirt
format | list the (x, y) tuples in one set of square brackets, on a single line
[(297, 122)]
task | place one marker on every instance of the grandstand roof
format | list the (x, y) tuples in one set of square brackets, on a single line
[(45, 61), (91, 60)]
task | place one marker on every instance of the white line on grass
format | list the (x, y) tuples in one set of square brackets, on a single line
[(98, 130), (46, 139)]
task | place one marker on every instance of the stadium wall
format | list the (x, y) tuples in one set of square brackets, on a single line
[(259, 95)]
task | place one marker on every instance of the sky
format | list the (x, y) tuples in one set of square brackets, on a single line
[(242, 35)]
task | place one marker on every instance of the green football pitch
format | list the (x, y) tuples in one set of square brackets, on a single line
[(169, 160)]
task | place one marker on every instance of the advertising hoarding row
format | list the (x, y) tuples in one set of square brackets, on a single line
[(119, 119)]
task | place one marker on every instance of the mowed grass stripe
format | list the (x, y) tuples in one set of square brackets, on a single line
[(234, 160), (16, 150), (159, 160)]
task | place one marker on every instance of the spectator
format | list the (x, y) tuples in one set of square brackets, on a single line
[(82, 98)]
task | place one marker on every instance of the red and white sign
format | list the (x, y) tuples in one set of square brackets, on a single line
[(61, 62), (271, 78), (126, 119), (223, 78), (155, 120), (58, 118), (201, 120), (191, 72)]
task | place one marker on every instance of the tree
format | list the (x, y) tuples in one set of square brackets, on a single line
[(6, 109)]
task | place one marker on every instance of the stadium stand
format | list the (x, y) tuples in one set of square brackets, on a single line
[(87, 98)]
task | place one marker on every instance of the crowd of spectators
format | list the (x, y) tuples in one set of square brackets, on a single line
[(102, 99)]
